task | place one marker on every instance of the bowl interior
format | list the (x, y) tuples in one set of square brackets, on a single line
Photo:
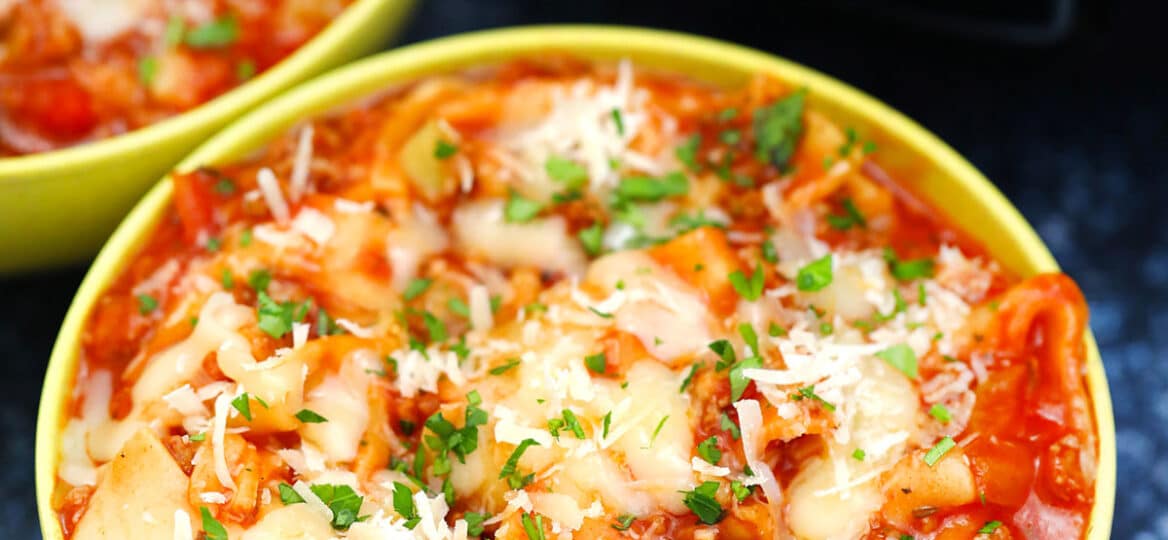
[(913, 155)]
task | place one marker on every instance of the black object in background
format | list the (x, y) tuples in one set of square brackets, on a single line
[(1070, 122)]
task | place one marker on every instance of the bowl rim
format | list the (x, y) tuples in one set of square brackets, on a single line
[(488, 46), (31, 167)]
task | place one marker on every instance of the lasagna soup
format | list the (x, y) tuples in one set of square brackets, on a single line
[(553, 299), (74, 71)]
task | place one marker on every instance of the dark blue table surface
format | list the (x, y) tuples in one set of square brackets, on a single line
[(1072, 134)]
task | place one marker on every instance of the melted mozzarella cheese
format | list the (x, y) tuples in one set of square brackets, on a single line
[(482, 232), (667, 315), (416, 237), (342, 399), (218, 321)]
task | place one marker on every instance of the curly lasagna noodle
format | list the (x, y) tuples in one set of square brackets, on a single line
[(73, 71), (554, 299)]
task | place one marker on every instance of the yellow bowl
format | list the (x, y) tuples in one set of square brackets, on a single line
[(58, 207), (932, 168)]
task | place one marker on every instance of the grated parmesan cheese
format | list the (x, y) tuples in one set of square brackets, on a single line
[(182, 525), (218, 432), (301, 165), (315, 225), (273, 197)]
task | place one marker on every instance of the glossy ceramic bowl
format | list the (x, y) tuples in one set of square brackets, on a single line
[(931, 167), (58, 207)]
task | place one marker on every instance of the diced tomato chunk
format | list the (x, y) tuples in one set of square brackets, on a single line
[(58, 108)]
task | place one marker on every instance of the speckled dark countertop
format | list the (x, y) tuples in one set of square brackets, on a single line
[(1071, 134)]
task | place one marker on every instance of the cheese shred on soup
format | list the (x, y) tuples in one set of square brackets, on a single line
[(554, 299)]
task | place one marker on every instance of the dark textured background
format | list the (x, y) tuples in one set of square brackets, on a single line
[(1072, 133)]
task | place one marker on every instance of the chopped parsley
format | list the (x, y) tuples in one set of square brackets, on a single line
[(147, 68), (573, 424), (276, 318), (259, 280), (859, 454), (727, 424), (709, 451), (689, 378), (416, 287), (989, 527), (309, 416), (774, 330), (749, 337), (940, 413), (741, 491), (939, 450), (213, 34), (808, 392), (725, 352), (447, 438), (213, 244), (777, 129), (738, 380), (687, 152), (146, 304), (684, 223), (326, 325), (624, 522), (902, 358), (702, 502), (596, 362), (606, 423), (198, 437), (242, 404), (815, 275), (444, 149), (403, 504), (533, 528), (342, 500), (226, 279), (289, 495), (245, 69), (567, 172), (458, 307), (599, 313), (618, 120), (657, 430), (749, 288), (175, 27), (212, 529), (505, 367), (769, 253), (224, 186), (851, 217), (908, 270), (650, 189), (510, 470), (474, 522), (592, 238), (519, 209), (434, 327)]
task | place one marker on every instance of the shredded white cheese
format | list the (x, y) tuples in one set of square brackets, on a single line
[(301, 165), (273, 197)]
